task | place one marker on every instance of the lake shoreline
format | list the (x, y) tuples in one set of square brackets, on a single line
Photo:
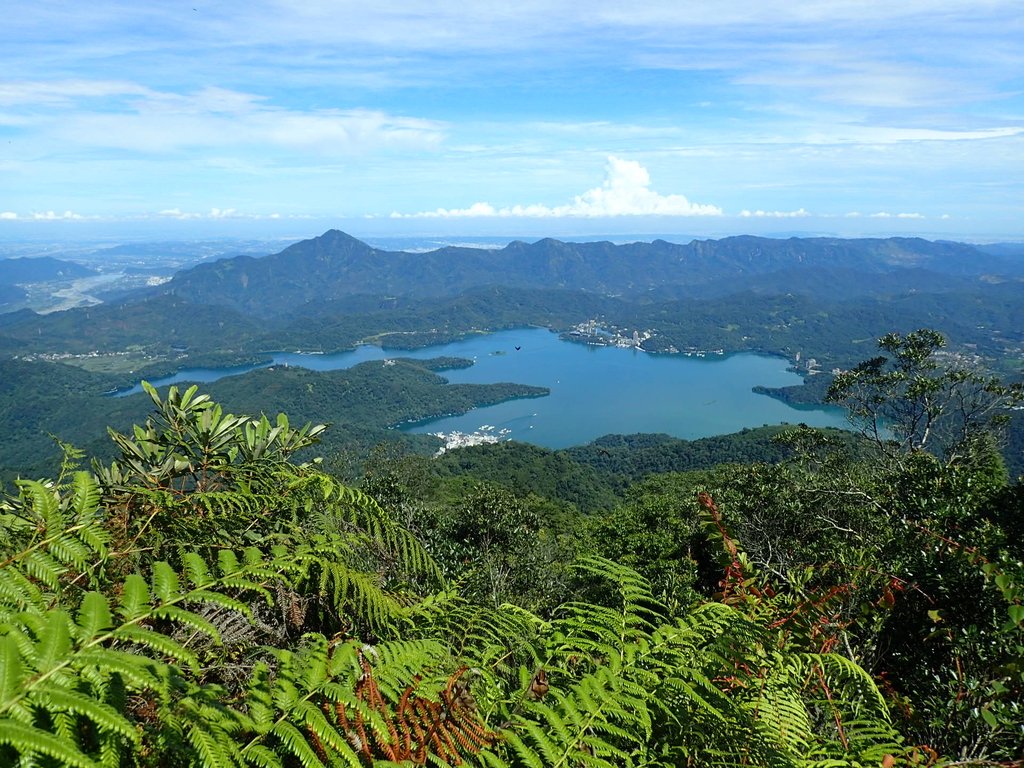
[(591, 389)]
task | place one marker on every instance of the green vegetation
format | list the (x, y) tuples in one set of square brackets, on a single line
[(363, 403), (981, 327), (206, 598), (212, 592), (823, 297), (336, 265)]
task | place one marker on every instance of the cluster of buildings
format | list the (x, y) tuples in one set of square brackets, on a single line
[(590, 332), (486, 434)]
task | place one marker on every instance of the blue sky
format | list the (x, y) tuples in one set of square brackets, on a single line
[(705, 118)]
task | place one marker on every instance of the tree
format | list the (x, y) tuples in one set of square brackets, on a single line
[(916, 400), (952, 641)]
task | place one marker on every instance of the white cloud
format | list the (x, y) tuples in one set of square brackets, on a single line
[(8, 215), (759, 214), (823, 99), (53, 216), (63, 92), (196, 121), (887, 215), (626, 191), (328, 131), (177, 213), (836, 76), (456, 27), (882, 135), (214, 213), (128, 116)]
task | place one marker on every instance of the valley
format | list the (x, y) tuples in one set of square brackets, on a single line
[(335, 295)]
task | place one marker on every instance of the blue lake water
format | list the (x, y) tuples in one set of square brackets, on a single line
[(594, 390)]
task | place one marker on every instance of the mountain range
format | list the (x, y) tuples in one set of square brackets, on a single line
[(336, 265)]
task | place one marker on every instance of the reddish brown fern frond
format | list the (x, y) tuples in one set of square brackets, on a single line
[(418, 727), (732, 582)]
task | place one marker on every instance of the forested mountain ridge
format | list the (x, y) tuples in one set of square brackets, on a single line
[(739, 293), (38, 269), (336, 265)]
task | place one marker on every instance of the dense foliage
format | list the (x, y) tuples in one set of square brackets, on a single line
[(362, 403), (206, 600)]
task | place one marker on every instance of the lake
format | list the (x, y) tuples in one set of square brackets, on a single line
[(594, 390)]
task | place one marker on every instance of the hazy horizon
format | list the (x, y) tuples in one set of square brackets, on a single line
[(624, 229)]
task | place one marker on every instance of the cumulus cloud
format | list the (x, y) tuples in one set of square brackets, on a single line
[(626, 191), (8, 215), (177, 213), (886, 215), (759, 214)]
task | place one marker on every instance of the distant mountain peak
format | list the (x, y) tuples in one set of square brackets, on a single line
[(337, 236), (333, 239)]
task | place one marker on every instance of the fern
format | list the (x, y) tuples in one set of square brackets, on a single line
[(48, 535), (64, 675), (622, 686), (132, 615)]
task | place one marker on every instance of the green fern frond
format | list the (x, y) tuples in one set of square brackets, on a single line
[(342, 509), (295, 745), (49, 534), (18, 592), (28, 740), (261, 756), (104, 716)]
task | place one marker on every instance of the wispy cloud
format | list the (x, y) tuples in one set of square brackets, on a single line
[(883, 134), (8, 215), (767, 107), (127, 116), (867, 74), (65, 92), (626, 191)]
